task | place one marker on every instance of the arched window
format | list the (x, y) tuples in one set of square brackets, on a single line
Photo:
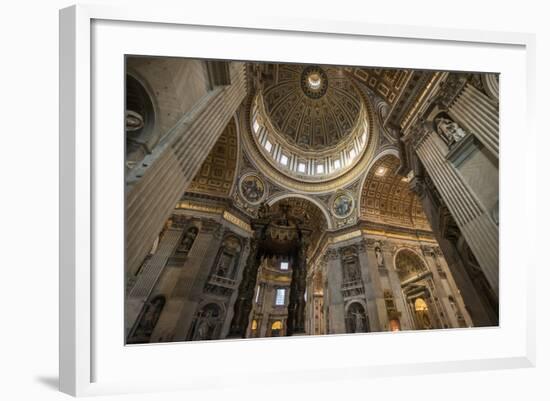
[(280, 296), (420, 305), (147, 321), (422, 314), (276, 328), (408, 265)]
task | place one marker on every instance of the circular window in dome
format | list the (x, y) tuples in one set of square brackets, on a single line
[(314, 81)]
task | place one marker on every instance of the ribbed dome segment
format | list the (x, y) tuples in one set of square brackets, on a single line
[(313, 107)]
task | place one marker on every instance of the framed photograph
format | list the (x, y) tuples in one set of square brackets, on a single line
[(337, 198)]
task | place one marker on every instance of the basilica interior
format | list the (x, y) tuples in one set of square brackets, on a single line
[(271, 199)]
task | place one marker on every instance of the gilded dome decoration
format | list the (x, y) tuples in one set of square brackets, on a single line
[(343, 205), (313, 107), (310, 122), (314, 82)]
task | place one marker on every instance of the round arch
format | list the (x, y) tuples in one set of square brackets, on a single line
[(207, 302), (356, 317), (276, 198), (385, 195), (410, 251), (356, 301)]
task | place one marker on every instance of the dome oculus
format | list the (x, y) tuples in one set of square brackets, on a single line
[(314, 82)]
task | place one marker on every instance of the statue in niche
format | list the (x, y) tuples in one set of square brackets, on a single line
[(358, 322), (222, 267), (379, 256), (204, 330), (187, 241), (228, 257), (149, 318), (206, 323), (356, 319), (449, 129)]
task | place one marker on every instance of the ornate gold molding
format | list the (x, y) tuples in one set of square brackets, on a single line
[(344, 237), (236, 221)]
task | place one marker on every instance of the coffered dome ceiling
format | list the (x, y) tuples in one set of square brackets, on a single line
[(312, 107)]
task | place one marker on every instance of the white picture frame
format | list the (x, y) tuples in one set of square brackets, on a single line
[(93, 40)]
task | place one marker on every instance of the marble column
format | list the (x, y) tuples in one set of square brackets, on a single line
[(154, 187), (406, 321), (373, 288), (475, 223), (441, 291), (310, 305), (374, 296), (448, 281), (336, 312), (451, 263), (245, 297), (296, 306), (185, 294), (231, 304), (149, 275)]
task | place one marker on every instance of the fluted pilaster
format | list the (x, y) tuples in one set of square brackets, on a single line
[(475, 224), (154, 187), (406, 322), (474, 111), (185, 296), (374, 295), (138, 294), (231, 305), (336, 312)]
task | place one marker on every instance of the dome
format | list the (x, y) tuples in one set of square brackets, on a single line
[(309, 122), (313, 107)]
